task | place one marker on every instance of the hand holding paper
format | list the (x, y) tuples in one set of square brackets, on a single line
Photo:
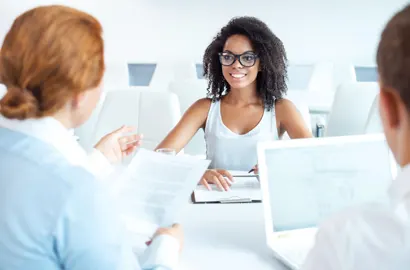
[(156, 187), (175, 231)]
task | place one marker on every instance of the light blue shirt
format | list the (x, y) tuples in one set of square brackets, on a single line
[(54, 215)]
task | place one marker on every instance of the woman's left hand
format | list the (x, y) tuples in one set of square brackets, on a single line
[(115, 146)]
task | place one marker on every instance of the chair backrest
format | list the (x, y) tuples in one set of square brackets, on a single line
[(153, 113), (184, 70), (189, 91), (374, 123), (116, 75), (322, 78), (351, 107), (85, 132), (299, 76), (311, 77)]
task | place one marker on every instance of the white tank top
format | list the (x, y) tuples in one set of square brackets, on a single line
[(231, 151)]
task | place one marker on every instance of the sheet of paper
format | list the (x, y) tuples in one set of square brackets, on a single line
[(241, 173), (155, 188), (243, 188)]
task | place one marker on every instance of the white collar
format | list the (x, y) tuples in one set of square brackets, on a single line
[(3, 90), (400, 188), (50, 131)]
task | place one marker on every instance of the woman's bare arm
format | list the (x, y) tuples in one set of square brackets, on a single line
[(192, 120), (290, 120)]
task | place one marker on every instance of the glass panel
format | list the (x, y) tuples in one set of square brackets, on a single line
[(141, 74), (199, 71), (366, 74)]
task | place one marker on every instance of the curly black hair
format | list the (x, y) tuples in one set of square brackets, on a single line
[(271, 80)]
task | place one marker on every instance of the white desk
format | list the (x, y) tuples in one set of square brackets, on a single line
[(225, 236)]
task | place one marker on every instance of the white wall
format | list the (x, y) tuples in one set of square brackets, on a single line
[(341, 31), (153, 30)]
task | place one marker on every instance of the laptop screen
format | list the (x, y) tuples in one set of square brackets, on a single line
[(311, 181)]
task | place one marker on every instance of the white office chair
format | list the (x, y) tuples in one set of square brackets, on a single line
[(189, 91), (311, 77), (322, 78), (184, 70), (374, 123), (85, 132), (162, 76), (153, 113), (350, 108), (116, 75)]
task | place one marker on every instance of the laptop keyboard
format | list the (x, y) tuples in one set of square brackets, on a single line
[(296, 256), (296, 247)]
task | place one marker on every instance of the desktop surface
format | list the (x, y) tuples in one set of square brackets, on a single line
[(221, 237)]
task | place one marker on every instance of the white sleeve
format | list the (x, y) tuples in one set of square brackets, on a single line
[(366, 237), (339, 240), (98, 164), (323, 255), (163, 253)]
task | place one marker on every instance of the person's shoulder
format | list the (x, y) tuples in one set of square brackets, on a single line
[(284, 104), (75, 175), (200, 106), (284, 109), (360, 237), (203, 103), (85, 192), (74, 180), (369, 222)]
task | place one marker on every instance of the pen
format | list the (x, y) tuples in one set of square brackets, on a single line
[(252, 170)]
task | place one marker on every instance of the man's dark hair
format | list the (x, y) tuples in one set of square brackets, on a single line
[(393, 55), (271, 80)]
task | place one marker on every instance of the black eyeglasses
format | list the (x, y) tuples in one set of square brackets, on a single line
[(247, 59)]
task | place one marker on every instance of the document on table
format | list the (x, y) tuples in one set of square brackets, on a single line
[(242, 174), (245, 188), (155, 187)]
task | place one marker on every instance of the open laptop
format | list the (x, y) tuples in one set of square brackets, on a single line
[(307, 180)]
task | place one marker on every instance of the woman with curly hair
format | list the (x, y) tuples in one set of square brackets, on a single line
[(246, 69)]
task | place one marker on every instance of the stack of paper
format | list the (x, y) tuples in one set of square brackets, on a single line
[(245, 188)]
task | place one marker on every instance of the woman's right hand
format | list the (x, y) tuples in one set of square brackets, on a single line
[(255, 169), (221, 178)]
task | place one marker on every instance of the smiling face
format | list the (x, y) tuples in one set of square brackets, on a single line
[(244, 70)]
